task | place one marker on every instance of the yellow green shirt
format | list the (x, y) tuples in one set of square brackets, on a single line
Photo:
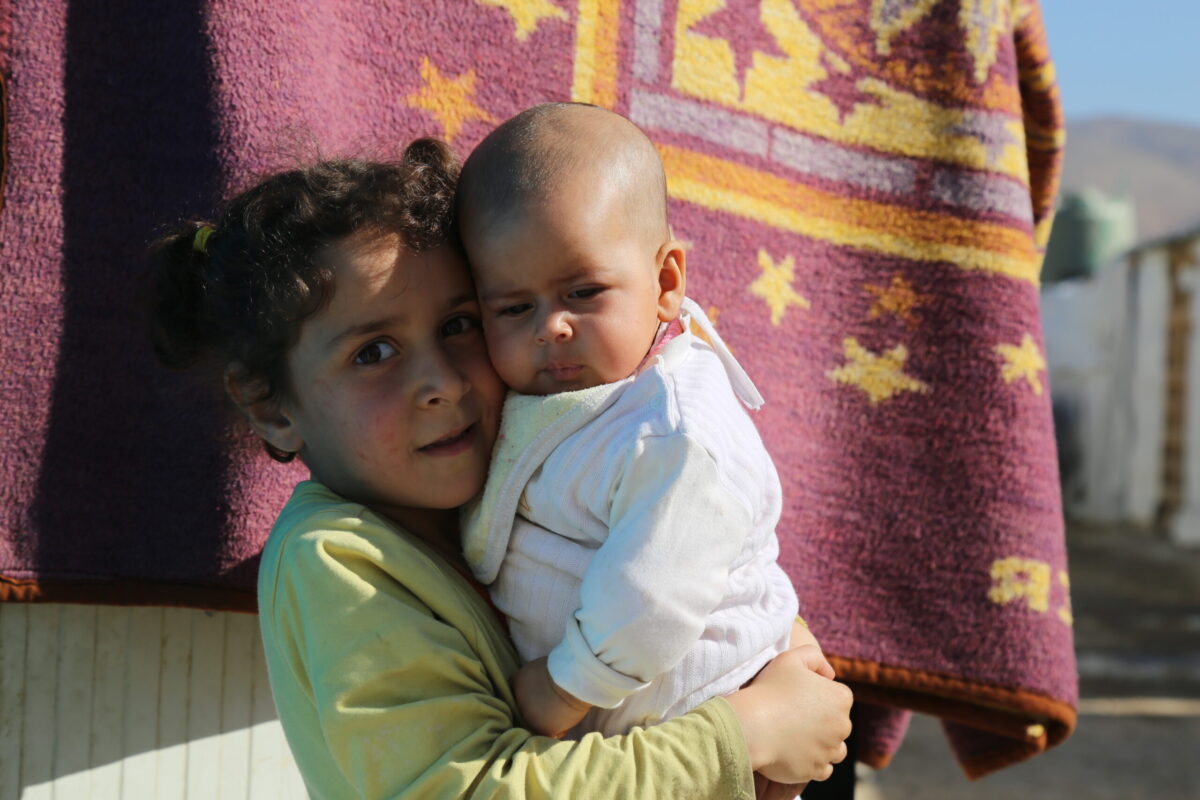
[(390, 675)]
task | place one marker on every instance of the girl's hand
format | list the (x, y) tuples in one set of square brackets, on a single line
[(802, 638), (547, 708), (814, 659), (795, 720)]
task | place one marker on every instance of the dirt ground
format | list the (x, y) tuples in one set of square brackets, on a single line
[(1136, 600)]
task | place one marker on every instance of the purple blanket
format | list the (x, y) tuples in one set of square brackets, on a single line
[(867, 185)]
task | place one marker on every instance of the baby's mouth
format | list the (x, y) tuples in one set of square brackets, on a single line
[(564, 372)]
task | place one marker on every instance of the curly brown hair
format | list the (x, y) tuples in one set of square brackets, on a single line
[(237, 303)]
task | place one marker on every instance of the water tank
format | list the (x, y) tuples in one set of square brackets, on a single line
[(1090, 230)]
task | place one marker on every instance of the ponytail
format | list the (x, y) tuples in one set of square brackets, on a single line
[(177, 296)]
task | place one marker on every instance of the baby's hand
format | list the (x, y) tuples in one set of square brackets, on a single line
[(547, 708)]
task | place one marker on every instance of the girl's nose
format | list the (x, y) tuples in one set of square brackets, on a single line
[(440, 382), (555, 327)]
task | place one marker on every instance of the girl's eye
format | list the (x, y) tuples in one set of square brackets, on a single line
[(374, 353), (585, 293), (515, 310), (456, 326)]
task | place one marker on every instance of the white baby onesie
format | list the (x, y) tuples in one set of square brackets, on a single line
[(627, 531)]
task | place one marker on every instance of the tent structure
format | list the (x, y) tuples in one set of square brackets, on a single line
[(1123, 351)]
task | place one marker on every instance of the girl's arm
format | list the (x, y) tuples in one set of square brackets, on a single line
[(382, 697)]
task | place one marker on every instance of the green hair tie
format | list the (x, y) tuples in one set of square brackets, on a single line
[(200, 243)]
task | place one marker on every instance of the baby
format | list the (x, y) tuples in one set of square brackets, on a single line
[(627, 529)]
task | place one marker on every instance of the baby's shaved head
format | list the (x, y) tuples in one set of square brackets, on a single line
[(527, 159)]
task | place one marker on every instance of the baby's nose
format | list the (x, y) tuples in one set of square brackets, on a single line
[(557, 327)]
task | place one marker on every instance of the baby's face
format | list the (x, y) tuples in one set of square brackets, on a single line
[(570, 296)]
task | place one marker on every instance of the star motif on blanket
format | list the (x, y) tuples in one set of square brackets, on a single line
[(880, 376), (527, 14), (448, 100), (1020, 580), (1064, 612), (739, 23), (1022, 361), (982, 22), (897, 298), (774, 285), (840, 87), (891, 17)]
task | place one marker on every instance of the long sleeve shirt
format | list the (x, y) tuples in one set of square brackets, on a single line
[(390, 674)]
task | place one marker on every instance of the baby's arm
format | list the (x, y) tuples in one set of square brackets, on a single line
[(547, 708), (675, 529), (552, 711)]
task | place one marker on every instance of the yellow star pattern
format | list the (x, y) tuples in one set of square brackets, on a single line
[(890, 17), (527, 14), (1064, 613), (880, 376), (899, 299), (1022, 361), (448, 100), (983, 22), (774, 285)]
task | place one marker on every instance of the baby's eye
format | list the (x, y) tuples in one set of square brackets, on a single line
[(456, 326), (585, 293), (515, 310), (375, 352)]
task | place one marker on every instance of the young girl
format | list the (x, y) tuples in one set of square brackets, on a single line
[(337, 306)]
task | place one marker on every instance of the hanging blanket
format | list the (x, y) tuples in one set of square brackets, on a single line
[(866, 186)]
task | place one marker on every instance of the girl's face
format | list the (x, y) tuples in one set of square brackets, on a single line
[(394, 402)]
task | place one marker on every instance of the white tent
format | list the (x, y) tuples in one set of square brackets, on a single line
[(1123, 354)]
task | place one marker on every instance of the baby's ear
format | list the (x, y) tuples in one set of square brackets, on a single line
[(672, 279), (268, 417)]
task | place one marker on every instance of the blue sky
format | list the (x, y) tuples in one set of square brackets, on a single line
[(1136, 58)]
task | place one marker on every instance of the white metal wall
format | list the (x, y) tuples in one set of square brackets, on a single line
[(107, 702), (1185, 528), (1106, 344)]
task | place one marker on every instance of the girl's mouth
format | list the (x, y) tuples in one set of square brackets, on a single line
[(453, 444)]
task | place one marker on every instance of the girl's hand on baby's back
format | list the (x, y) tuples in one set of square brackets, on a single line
[(795, 720)]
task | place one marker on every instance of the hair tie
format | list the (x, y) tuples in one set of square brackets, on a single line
[(200, 243)]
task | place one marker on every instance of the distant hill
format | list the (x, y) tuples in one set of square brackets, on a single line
[(1157, 164)]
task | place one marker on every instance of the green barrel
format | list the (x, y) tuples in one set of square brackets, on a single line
[(1090, 230)]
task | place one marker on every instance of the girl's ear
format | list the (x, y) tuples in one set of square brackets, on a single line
[(672, 279), (269, 418)]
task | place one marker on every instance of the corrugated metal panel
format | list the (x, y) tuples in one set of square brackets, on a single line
[(104, 702)]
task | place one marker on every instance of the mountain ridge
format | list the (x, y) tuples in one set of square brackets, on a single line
[(1155, 164)]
